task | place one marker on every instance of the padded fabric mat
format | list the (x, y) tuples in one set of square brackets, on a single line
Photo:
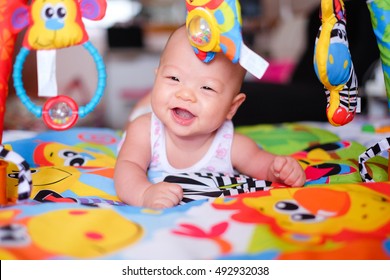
[(74, 212)]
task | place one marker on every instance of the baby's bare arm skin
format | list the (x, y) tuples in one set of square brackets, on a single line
[(250, 160), (130, 177)]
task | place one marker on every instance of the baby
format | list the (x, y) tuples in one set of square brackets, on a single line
[(190, 130)]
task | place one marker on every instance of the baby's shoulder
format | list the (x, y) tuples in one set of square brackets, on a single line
[(240, 141), (141, 123), (145, 118)]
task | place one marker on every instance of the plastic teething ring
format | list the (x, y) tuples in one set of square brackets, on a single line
[(49, 113), (77, 111), (211, 43)]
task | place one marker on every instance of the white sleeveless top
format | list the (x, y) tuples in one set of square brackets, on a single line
[(217, 159)]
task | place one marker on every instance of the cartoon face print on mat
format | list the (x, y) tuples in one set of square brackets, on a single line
[(76, 233), (49, 154), (341, 210), (300, 210), (83, 232)]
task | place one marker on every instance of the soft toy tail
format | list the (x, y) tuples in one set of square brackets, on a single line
[(380, 18), (333, 64)]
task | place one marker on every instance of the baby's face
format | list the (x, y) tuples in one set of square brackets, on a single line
[(190, 96)]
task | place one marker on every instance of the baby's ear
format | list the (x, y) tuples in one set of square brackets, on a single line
[(236, 103)]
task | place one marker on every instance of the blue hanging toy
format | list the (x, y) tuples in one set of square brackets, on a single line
[(55, 24)]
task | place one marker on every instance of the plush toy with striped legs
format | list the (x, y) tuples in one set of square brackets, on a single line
[(333, 64), (380, 19)]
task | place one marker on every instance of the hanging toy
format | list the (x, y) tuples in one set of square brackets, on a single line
[(333, 64), (215, 26), (380, 19), (56, 24)]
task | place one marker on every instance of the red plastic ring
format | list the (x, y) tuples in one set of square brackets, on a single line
[(69, 121)]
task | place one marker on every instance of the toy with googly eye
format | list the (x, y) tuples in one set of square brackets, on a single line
[(51, 25), (215, 26)]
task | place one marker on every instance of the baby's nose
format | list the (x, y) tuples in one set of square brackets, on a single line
[(186, 95)]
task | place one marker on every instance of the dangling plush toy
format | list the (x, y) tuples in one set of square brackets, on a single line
[(51, 25), (215, 26), (380, 19), (333, 64)]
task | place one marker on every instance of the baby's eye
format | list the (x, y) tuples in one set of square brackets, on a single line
[(173, 78), (207, 88)]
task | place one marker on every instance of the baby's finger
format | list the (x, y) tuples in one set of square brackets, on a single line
[(174, 193), (163, 203), (278, 165), (167, 200), (295, 179), (287, 175), (293, 174), (176, 190), (300, 181), (169, 195)]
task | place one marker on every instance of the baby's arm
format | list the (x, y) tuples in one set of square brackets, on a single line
[(250, 160), (130, 177)]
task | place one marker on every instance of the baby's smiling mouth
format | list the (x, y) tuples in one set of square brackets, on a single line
[(183, 113)]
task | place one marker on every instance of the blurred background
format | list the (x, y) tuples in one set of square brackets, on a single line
[(131, 37)]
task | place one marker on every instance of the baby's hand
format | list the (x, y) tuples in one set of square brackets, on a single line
[(288, 171), (162, 195)]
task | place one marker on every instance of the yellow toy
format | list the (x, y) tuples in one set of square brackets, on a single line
[(333, 64), (332, 59), (215, 26)]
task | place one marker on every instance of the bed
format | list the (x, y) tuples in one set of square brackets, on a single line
[(73, 212)]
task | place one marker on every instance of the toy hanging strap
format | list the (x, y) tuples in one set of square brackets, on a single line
[(46, 71)]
